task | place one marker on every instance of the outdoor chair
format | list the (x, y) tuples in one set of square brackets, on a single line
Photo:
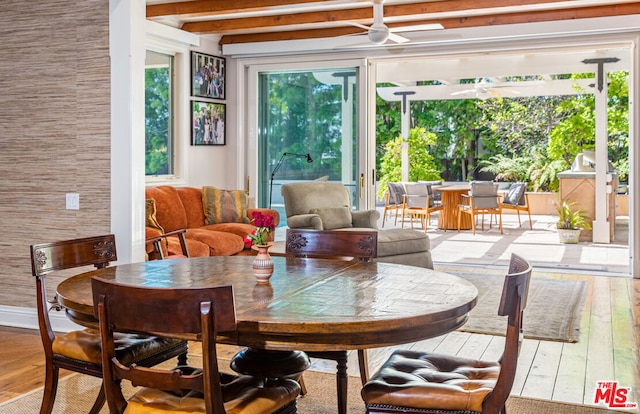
[(80, 351), (417, 203), (393, 201), (199, 313), (517, 199), (422, 382), (482, 199), (362, 245)]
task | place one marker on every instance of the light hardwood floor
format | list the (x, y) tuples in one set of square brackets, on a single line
[(607, 349)]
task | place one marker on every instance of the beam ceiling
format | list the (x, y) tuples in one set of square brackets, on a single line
[(251, 21)]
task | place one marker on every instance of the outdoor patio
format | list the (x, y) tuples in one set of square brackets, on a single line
[(539, 245)]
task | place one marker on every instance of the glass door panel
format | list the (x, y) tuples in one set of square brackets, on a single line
[(307, 130)]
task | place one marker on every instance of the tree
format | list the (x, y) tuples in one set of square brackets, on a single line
[(156, 121), (423, 166), (577, 132)]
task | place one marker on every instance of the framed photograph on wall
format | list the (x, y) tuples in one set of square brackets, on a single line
[(207, 75), (208, 123)]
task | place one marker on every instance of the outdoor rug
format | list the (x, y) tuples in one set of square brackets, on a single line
[(76, 393), (553, 309)]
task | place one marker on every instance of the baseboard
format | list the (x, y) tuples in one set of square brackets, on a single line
[(20, 317)]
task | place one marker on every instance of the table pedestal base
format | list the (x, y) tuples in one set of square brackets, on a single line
[(270, 364)]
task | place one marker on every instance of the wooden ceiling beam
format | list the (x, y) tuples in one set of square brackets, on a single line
[(200, 8), (450, 23), (359, 15)]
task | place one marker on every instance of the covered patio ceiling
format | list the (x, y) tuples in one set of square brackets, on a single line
[(491, 75)]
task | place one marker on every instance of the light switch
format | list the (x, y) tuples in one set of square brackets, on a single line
[(73, 201)]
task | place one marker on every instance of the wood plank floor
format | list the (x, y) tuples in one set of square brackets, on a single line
[(607, 349)]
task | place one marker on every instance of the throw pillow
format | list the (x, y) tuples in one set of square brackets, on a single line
[(150, 219), (224, 206), (334, 217), (514, 195)]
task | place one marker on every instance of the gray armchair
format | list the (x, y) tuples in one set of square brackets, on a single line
[(326, 206), (323, 206)]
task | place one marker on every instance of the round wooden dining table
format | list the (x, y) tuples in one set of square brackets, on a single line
[(308, 304), (451, 199)]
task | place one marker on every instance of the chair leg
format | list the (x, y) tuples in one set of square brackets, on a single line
[(50, 388), (363, 364), (100, 400), (303, 387), (519, 222), (530, 222)]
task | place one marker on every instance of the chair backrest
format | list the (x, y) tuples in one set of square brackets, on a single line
[(332, 243), (302, 197), (396, 193), (417, 195), (485, 194), (512, 305), (515, 195), (98, 251), (197, 312)]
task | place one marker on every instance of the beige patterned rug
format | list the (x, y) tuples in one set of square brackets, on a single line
[(76, 393), (553, 312)]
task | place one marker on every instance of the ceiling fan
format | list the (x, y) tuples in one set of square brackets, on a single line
[(486, 88), (378, 33)]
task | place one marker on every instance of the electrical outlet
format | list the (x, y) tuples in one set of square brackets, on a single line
[(73, 201)]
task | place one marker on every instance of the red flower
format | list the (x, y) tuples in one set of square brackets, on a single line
[(264, 226)]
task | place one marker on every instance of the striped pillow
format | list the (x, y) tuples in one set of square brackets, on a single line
[(224, 206)]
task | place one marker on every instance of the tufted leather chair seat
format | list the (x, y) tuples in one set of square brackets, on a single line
[(84, 345), (242, 395), (431, 381)]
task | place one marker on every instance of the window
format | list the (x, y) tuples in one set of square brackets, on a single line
[(159, 130)]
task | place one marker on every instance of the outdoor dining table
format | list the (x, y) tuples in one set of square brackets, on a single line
[(308, 304), (451, 199)]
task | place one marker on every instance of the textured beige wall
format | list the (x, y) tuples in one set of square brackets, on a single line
[(54, 130)]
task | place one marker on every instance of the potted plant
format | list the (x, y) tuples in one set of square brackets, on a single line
[(570, 222)]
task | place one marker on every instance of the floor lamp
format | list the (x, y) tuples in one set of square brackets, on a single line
[(277, 167)]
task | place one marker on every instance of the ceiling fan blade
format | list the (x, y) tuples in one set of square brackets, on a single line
[(416, 28), (463, 92), (362, 26), (397, 38)]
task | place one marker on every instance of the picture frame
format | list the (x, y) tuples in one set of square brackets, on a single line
[(208, 73), (208, 121)]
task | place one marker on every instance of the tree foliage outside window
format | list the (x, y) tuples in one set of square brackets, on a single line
[(525, 138), (158, 108), (304, 116), (422, 164)]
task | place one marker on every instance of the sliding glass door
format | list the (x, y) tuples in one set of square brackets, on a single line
[(307, 129)]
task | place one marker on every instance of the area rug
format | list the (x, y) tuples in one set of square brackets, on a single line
[(76, 393), (553, 309)]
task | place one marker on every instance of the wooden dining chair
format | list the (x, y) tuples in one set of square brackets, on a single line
[(517, 199), (80, 350), (422, 382), (482, 199), (190, 312), (336, 244), (157, 251)]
